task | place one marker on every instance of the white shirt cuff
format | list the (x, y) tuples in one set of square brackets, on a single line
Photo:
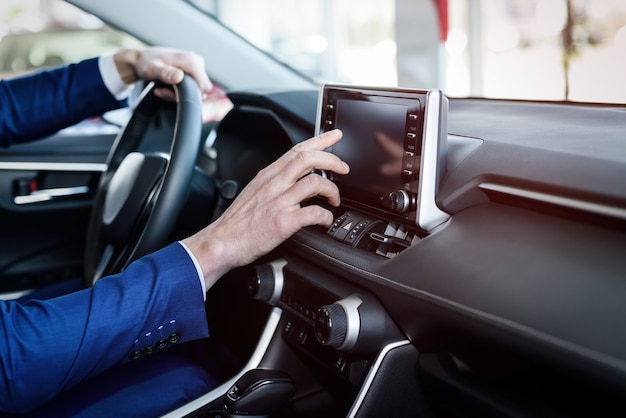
[(198, 269), (111, 77)]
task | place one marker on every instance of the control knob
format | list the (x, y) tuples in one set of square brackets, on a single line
[(338, 324), (266, 284), (399, 201)]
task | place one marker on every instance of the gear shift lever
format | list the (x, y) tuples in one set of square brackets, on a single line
[(258, 394)]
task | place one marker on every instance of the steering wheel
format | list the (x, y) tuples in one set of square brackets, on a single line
[(141, 194)]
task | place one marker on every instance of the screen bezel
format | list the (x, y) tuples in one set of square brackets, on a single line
[(430, 153)]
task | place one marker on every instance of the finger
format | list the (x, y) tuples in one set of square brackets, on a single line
[(155, 69), (170, 74), (314, 185), (172, 68), (321, 142), (165, 93), (304, 163), (308, 155), (192, 64), (204, 83), (312, 215)]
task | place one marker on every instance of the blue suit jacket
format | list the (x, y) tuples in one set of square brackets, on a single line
[(37, 105), (49, 346)]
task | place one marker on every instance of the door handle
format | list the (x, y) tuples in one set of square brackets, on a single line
[(44, 195)]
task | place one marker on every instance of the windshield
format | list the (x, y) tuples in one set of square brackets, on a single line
[(556, 50)]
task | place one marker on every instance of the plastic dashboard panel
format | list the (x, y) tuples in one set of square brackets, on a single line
[(500, 280), (498, 265)]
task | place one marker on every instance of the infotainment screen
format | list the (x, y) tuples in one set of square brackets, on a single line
[(384, 133)]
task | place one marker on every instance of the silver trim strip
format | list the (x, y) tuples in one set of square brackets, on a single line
[(350, 306), (15, 295), (318, 113), (568, 202), (433, 159), (43, 166), (371, 375), (279, 280), (45, 195), (253, 362)]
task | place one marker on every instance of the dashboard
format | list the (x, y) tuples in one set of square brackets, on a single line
[(484, 276)]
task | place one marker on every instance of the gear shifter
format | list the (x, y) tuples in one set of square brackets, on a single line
[(258, 394)]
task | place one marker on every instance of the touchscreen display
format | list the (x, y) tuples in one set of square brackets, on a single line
[(382, 138), (395, 141), (372, 144)]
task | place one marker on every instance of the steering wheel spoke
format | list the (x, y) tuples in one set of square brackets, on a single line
[(141, 195)]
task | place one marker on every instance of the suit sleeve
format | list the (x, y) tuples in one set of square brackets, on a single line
[(40, 104), (49, 346)]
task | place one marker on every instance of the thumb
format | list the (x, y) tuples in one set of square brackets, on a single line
[(170, 75)]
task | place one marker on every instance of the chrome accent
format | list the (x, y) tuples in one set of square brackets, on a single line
[(45, 195), (353, 327), (42, 166), (433, 161), (121, 185), (318, 113), (567, 202), (253, 363), (15, 295), (371, 375), (279, 280)]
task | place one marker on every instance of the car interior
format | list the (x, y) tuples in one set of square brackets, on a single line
[(475, 268)]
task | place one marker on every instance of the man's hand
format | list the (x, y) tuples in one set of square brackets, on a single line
[(268, 210), (162, 64)]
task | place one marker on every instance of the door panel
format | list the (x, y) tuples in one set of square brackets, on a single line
[(46, 193)]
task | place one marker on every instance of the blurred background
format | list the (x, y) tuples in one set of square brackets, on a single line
[(522, 49)]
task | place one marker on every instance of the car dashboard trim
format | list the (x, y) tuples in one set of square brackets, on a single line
[(371, 375), (43, 166), (433, 161), (500, 323), (254, 361), (566, 202)]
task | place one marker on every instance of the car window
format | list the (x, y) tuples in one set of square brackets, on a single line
[(35, 35), (520, 49), (22, 52), (41, 34)]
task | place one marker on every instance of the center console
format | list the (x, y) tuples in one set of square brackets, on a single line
[(337, 325), (329, 347)]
